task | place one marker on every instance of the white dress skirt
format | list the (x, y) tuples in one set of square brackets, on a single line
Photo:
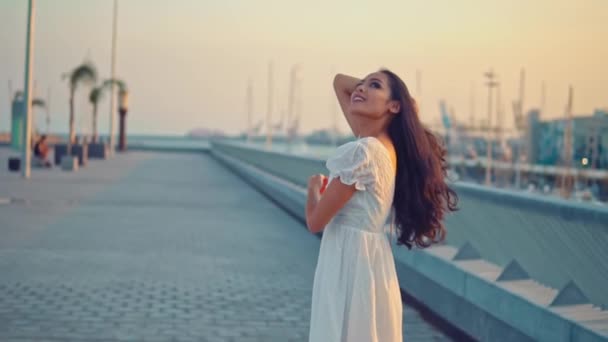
[(356, 296)]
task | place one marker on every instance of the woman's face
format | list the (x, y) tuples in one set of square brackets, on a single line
[(372, 97)]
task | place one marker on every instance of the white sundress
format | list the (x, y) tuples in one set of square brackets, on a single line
[(356, 294)]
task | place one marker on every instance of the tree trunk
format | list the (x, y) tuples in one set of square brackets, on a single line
[(71, 131), (95, 123), (122, 135)]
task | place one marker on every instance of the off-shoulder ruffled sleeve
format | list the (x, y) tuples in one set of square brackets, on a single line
[(351, 162)]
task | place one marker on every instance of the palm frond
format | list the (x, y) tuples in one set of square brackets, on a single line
[(85, 73), (96, 94), (38, 102), (122, 86)]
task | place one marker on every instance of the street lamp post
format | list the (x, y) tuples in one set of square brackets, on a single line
[(29, 56), (123, 100)]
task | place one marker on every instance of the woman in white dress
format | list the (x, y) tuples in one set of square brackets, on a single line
[(394, 171)]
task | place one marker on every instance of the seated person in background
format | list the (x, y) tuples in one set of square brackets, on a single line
[(41, 152)]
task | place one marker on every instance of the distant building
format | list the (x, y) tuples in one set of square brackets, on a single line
[(545, 140)]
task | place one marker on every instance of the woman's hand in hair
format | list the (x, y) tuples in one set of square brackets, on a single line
[(344, 86)]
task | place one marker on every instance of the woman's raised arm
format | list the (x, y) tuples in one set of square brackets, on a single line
[(344, 86)]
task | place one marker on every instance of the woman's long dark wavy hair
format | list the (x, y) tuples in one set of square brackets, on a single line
[(422, 196)]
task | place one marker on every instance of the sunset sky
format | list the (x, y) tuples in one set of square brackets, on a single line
[(187, 62)]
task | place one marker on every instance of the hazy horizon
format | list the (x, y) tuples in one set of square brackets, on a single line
[(187, 62)]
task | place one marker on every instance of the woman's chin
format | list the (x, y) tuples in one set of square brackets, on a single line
[(361, 112), (358, 109)]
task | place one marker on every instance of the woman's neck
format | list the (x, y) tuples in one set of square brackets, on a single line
[(371, 128)]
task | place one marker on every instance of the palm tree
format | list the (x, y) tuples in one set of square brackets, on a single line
[(94, 97), (122, 86), (123, 94), (86, 74)]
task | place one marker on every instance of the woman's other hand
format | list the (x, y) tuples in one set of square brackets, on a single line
[(317, 184)]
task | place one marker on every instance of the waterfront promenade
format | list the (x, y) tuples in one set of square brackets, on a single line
[(155, 247)]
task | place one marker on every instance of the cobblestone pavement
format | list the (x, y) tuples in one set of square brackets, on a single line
[(154, 247)]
